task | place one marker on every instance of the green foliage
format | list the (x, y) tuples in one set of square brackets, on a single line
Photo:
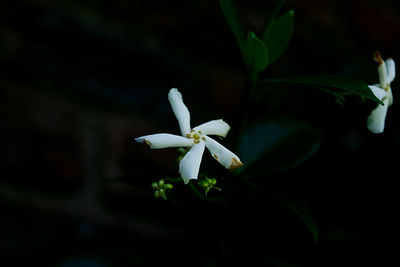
[(256, 54), (276, 144), (277, 35), (328, 83)]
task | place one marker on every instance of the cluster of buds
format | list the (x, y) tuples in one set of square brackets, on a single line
[(161, 188), (209, 183)]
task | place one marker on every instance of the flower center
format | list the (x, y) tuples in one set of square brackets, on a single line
[(196, 135)]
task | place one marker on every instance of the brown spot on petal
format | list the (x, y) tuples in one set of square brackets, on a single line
[(235, 163), (377, 57), (147, 142), (215, 157)]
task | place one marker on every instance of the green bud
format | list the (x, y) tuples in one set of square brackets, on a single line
[(163, 195), (156, 194), (154, 185), (178, 159), (213, 181), (161, 182), (168, 186), (204, 183), (181, 150)]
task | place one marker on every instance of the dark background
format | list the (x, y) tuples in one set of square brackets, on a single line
[(81, 79)]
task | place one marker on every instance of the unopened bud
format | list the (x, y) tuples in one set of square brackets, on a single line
[(168, 186), (204, 183)]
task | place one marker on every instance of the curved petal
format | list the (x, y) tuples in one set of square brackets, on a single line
[(223, 155), (382, 72), (214, 127), (376, 120), (189, 166), (390, 96), (378, 92), (391, 69), (180, 110), (164, 140)]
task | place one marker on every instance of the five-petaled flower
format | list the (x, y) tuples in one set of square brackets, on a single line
[(196, 139), (382, 91)]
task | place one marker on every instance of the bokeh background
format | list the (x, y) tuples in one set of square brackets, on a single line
[(81, 79)]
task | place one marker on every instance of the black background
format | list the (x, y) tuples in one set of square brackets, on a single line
[(81, 79)]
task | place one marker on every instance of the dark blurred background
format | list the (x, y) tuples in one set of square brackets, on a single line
[(81, 79)]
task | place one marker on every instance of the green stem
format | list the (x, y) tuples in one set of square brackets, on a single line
[(253, 78)]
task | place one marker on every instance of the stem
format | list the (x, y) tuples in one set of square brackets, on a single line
[(253, 78)]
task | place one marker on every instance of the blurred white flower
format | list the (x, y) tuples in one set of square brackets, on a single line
[(382, 91), (197, 139)]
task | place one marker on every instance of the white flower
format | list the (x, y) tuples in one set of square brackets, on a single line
[(382, 91), (197, 139)]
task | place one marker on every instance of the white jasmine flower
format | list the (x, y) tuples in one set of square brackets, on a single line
[(196, 139), (382, 91)]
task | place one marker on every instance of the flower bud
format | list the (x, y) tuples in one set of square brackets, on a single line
[(168, 186)]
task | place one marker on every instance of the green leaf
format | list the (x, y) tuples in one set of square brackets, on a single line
[(256, 54), (328, 82), (231, 16), (277, 144), (277, 35), (304, 213)]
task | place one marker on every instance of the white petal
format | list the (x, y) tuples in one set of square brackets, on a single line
[(376, 120), (190, 164), (164, 140), (215, 127), (222, 154), (378, 92), (382, 72), (180, 110), (391, 70)]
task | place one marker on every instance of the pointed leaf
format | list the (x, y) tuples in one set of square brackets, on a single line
[(278, 34), (256, 54)]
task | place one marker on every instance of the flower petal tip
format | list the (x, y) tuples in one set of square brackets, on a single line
[(235, 163), (378, 57), (174, 91), (186, 180), (142, 140), (375, 131)]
